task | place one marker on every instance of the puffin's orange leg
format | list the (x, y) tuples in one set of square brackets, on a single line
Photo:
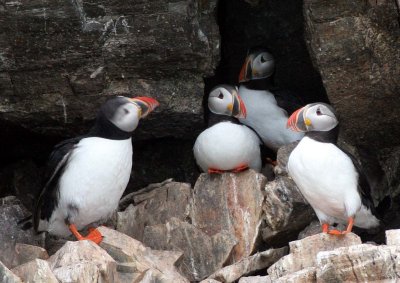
[(215, 171), (94, 234), (325, 227), (349, 226), (240, 168)]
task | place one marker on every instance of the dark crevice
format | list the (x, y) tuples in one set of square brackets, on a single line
[(277, 26)]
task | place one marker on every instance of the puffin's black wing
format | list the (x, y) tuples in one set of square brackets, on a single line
[(364, 187), (287, 100), (48, 197)]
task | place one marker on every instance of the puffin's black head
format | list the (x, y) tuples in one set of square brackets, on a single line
[(125, 113), (259, 64), (225, 100), (313, 117)]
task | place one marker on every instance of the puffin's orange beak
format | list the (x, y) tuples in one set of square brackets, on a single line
[(238, 109), (146, 104), (293, 120), (245, 72)]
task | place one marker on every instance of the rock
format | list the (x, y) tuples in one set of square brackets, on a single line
[(393, 237), (202, 254), (282, 158), (7, 276), (26, 253), (154, 266), (305, 275), (255, 279), (155, 205), (361, 263), (209, 281), (303, 252), (312, 229), (83, 261), (248, 265), (286, 212), (12, 211), (35, 271), (354, 45), (71, 56), (233, 203)]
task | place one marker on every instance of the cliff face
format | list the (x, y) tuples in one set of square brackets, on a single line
[(60, 59)]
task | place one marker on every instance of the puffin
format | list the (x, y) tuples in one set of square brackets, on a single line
[(329, 178), (87, 175), (227, 146), (264, 102)]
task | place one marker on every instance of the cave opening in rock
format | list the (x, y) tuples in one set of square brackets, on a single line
[(277, 26)]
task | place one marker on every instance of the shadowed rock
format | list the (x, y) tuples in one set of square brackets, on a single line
[(7, 276), (202, 254), (248, 265)]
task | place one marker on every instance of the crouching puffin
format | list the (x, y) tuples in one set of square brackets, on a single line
[(329, 178), (263, 105), (227, 146), (87, 175)]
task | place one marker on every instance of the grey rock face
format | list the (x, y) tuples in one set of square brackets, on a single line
[(354, 45), (12, 211), (35, 271), (60, 61)]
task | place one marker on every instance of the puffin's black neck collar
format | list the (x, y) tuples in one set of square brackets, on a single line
[(103, 128), (325, 137)]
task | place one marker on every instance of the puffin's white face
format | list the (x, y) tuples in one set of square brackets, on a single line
[(313, 117), (225, 100), (319, 117), (257, 65), (126, 116), (125, 112), (220, 101)]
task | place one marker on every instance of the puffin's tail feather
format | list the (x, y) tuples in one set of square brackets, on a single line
[(365, 219)]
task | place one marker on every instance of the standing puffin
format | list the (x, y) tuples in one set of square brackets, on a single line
[(227, 146), (263, 105), (87, 175), (329, 178)]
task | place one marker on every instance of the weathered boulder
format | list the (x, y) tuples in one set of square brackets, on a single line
[(303, 252), (61, 60), (25, 253), (286, 212), (7, 276), (255, 279), (153, 205), (83, 261), (12, 211), (359, 263), (354, 45), (35, 271), (202, 254), (133, 257), (305, 275), (393, 237), (233, 203), (248, 265)]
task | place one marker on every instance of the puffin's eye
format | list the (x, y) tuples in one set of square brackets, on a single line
[(220, 96), (263, 60), (319, 112), (126, 111)]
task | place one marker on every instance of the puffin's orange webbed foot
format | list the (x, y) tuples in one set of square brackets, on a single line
[(325, 228), (240, 168), (215, 171), (94, 234)]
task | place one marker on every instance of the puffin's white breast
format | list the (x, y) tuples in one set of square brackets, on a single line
[(267, 118), (326, 177), (94, 180), (226, 146)]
